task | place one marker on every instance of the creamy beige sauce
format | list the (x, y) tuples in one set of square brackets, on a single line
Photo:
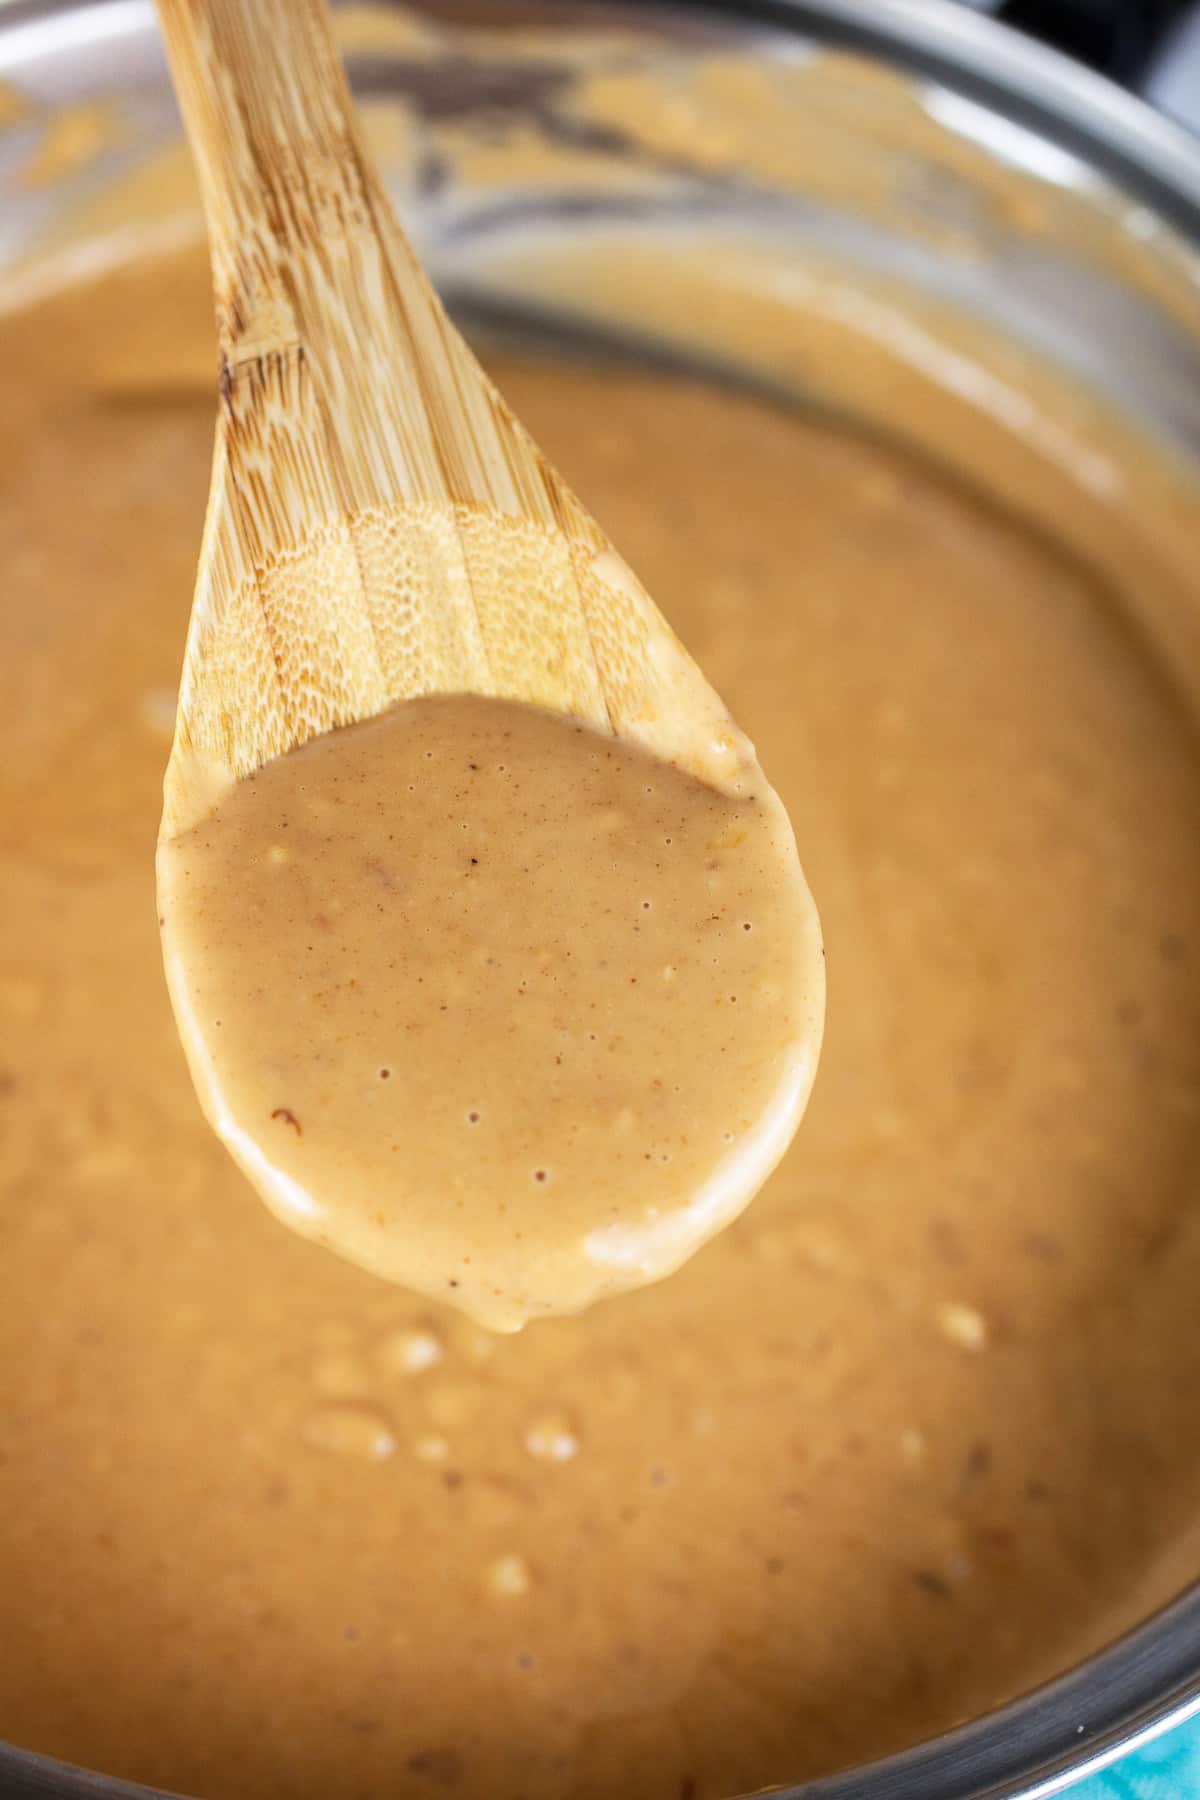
[(915, 1431), (501, 1008)]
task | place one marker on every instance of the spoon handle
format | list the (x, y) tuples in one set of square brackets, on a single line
[(379, 525), (329, 331)]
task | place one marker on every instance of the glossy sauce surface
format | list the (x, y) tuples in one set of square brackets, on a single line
[(915, 1431), (505, 1010)]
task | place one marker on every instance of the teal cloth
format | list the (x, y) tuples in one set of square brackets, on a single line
[(1167, 1769)]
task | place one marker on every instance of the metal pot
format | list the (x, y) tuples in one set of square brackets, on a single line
[(1048, 213)]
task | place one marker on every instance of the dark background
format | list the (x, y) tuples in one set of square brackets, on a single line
[(1117, 37)]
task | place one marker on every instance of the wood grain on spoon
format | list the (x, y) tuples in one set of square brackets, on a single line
[(459, 898), (379, 524)]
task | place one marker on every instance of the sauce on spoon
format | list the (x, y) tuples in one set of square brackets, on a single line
[(497, 1006)]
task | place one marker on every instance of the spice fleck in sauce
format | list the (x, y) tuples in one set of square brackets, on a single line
[(501, 1008)]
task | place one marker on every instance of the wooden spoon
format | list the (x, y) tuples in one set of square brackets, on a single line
[(379, 525), (381, 529)]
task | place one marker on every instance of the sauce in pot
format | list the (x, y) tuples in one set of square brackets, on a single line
[(901, 1440)]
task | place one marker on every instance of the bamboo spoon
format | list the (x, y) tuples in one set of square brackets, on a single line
[(379, 525), (381, 529)]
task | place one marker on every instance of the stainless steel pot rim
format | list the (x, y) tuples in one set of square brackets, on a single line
[(1031, 84), (1148, 1682)]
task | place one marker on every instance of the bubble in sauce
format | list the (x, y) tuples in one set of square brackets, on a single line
[(410, 1350), (963, 1325), (508, 1577), (357, 1430), (552, 1437)]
